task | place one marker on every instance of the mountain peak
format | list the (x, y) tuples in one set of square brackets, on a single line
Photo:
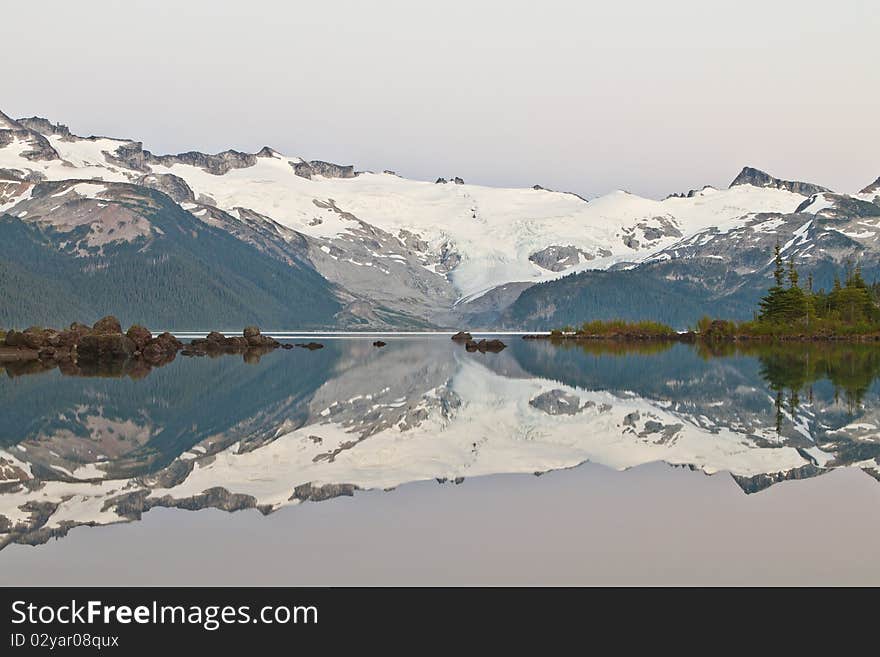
[(6, 123), (44, 126), (758, 178), (873, 187)]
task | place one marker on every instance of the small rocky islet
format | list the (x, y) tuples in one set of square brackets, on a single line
[(483, 346), (104, 349)]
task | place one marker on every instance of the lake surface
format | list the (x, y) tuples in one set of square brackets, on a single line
[(421, 463)]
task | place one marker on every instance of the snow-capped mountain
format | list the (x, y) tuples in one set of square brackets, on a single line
[(718, 271), (396, 252), (358, 418)]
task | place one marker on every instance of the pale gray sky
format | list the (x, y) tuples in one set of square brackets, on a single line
[(646, 96)]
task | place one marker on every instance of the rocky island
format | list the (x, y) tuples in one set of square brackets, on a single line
[(104, 349)]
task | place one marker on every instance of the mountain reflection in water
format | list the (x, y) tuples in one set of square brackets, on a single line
[(233, 433)]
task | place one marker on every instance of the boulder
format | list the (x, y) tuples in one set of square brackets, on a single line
[(71, 337), (140, 336), (462, 336), (483, 346), (15, 339), (311, 346), (155, 353), (379, 343), (493, 346), (104, 346), (215, 337), (68, 339), (108, 324), (35, 337), (168, 341), (255, 339), (160, 350)]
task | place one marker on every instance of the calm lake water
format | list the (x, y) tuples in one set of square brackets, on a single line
[(420, 463)]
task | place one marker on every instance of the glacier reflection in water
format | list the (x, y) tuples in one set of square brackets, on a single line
[(307, 426)]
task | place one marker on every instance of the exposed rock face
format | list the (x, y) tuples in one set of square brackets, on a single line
[(169, 184), (312, 493), (558, 258), (38, 147), (691, 193), (557, 402), (398, 280), (215, 164), (11, 174), (760, 482), (838, 206), (44, 126), (325, 169), (651, 230), (659, 228), (131, 155), (758, 178), (873, 188)]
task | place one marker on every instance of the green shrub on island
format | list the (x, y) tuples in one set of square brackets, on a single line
[(619, 327)]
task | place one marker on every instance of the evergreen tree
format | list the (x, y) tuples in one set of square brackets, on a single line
[(792, 272), (771, 305)]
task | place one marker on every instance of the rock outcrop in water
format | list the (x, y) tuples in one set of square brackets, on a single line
[(251, 343), (81, 349), (492, 346), (311, 346), (105, 350)]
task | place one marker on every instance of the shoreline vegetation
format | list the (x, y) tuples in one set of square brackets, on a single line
[(788, 312)]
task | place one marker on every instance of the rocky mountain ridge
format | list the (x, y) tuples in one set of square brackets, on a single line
[(391, 252)]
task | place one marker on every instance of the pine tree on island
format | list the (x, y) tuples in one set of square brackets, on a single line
[(850, 303)]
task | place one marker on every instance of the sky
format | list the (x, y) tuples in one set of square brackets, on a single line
[(649, 97)]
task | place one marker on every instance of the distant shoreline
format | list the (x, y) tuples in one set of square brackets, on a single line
[(330, 335), (690, 337)]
